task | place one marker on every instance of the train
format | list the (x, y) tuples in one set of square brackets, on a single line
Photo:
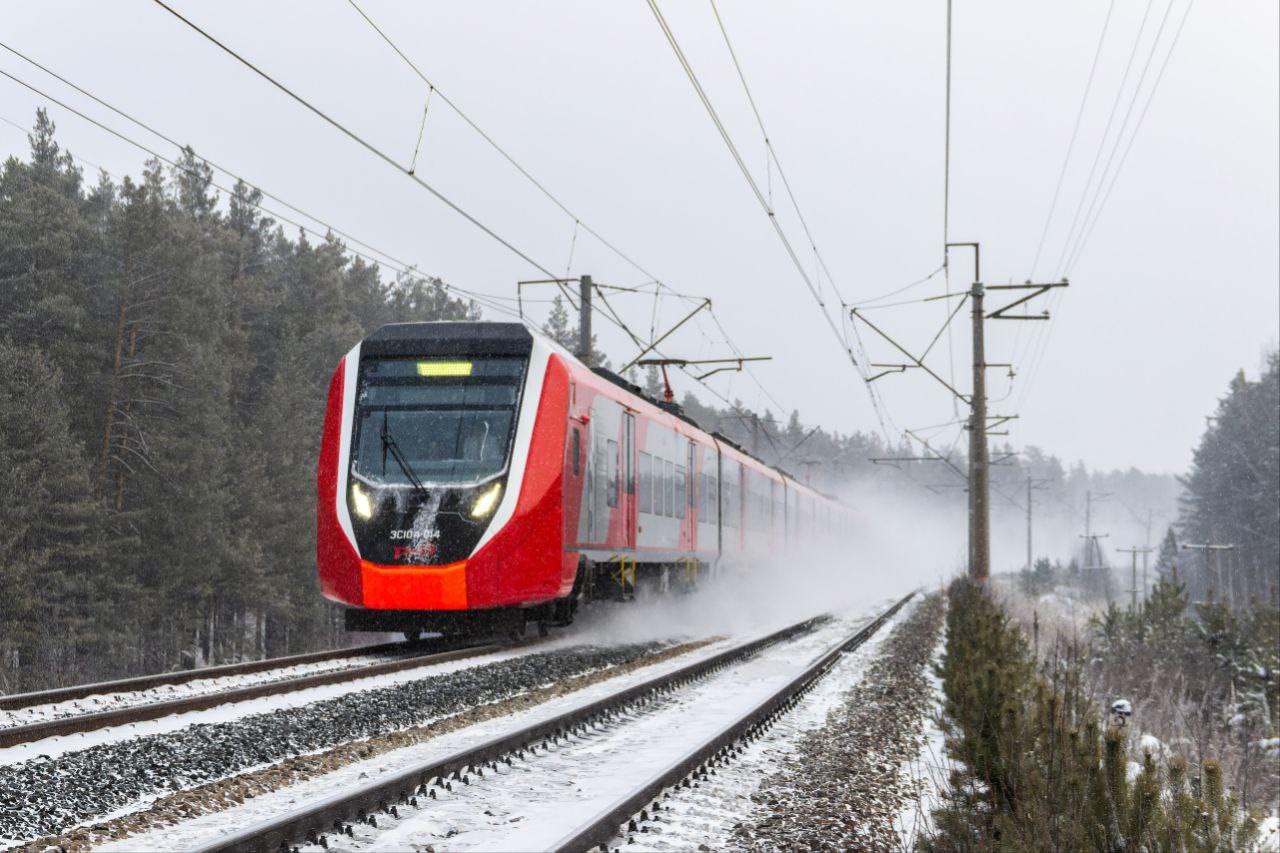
[(477, 476)]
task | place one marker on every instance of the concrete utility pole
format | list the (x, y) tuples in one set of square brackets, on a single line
[(979, 494), (1133, 573), (1032, 483), (584, 319), (1090, 540), (978, 476)]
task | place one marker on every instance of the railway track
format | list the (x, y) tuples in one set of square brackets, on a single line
[(420, 654), (410, 788), (15, 701)]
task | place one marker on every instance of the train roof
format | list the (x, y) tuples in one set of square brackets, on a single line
[(460, 337)]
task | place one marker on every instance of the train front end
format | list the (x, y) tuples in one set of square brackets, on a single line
[(438, 509)]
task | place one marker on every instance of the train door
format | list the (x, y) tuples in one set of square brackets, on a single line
[(687, 496), (629, 480)]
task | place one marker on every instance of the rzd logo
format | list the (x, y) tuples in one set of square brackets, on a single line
[(426, 550)]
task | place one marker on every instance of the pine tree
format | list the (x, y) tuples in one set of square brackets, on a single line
[(53, 535), (557, 326)]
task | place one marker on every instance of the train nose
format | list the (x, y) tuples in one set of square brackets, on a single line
[(426, 525), (414, 587)]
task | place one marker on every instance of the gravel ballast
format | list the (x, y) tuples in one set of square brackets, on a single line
[(43, 797), (844, 787)]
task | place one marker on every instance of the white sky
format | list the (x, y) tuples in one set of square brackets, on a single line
[(1176, 289)]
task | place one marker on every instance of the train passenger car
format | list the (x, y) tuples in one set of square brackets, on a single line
[(478, 475)]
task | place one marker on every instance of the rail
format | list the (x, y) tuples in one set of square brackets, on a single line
[(335, 813), (75, 724), (617, 818)]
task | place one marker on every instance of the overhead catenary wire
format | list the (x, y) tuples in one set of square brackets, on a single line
[(946, 211), (382, 155), (579, 222), (371, 253), (1039, 354), (1124, 124), (1132, 137), (773, 157), (742, 166), (355, 137), (673, 42), (1071, 144), (1106, 133)]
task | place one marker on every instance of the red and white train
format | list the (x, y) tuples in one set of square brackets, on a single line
[(478, 475)]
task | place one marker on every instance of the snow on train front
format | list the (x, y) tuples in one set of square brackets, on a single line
[(429, 514)]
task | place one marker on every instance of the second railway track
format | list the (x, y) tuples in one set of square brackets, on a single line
[(414, 788), (400, 656)]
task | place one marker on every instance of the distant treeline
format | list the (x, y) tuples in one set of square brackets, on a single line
[(164, 356)]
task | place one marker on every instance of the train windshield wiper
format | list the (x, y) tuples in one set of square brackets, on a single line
[(389, 444)]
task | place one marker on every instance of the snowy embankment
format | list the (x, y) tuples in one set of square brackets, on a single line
[(845, 785), (46, 794), (533, 803)]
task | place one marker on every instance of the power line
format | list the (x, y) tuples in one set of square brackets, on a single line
[(353, 136), (1106, 132), (1041, 337), (746, 173), (382, 259), (1129, 145), (1124, 124), (859, 303), (786, 183), (1107, 195), (579, 222), (370, 252), (760, 197), (382, 155), (1075, 131)]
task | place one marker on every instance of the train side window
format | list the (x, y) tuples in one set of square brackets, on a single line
[(611, 485), (659, 487), (671, 488), (577, 452), (645, 496), (680, 496)]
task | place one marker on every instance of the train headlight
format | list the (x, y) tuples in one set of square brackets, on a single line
[(361, 502), (488, 499)]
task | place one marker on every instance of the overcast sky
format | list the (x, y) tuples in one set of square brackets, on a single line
[(1175, 290)]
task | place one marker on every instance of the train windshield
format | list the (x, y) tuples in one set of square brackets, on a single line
[(434, 420)]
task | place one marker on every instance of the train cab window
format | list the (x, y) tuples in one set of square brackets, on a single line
[(449, 421), (577, 452), (611, 484), (680, 496), (644, 497)]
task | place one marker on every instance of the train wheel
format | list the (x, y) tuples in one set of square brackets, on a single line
[(413, 636), (543, 629)]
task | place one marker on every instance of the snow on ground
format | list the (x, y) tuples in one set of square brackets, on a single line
[(931, 768), (1269, 834), (535, 802), (52, 747), (98, 702), (708, 814), (45, 797)]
